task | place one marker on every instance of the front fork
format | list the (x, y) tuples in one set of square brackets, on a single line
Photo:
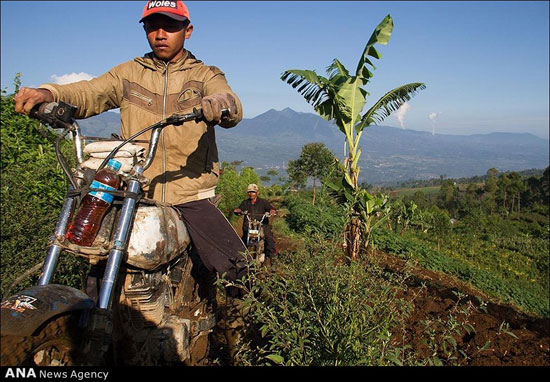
[(54, 250), (116, 254)]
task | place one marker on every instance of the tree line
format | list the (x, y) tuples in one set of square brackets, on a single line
[(503, 193)]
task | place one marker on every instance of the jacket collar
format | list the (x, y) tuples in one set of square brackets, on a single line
[(186, 62)]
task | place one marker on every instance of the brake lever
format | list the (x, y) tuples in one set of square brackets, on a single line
[(196, 115)]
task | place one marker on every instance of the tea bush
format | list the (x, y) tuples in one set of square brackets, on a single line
[(317, 311), (32, 193), (324, 218)]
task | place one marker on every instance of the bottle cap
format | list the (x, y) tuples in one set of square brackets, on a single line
[(114, 164)]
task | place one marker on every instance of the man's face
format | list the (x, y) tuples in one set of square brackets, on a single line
[(166, 36), (252, 194)]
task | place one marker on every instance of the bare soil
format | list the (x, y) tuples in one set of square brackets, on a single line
[(485, 331)]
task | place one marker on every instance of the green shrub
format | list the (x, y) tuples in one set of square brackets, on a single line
[(317, 311), (232, 187), (324, 218), (33, 188)]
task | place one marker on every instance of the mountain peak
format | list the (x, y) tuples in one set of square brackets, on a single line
[(288, 110)]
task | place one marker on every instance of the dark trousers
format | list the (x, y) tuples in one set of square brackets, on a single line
[(218, 245)]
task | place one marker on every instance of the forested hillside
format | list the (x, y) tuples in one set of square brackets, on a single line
[(392, 155)]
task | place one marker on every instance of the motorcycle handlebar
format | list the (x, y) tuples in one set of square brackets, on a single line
[(61, 115), (53, 113), (245, 213)]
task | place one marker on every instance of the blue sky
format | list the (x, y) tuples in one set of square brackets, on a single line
[(485, 64)]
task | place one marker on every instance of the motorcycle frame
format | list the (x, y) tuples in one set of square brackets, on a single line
[(260, 222), (124, 224)]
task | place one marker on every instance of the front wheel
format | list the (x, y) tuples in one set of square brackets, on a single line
[(56, 343)]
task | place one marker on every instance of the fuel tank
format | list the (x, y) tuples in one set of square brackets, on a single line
[(158, 236)]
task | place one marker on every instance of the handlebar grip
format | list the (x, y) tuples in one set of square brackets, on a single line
[(42, 108), (59, 115), (200, 115)]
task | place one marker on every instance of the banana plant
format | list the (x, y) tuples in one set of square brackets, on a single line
[(362, 209), (341, 97)]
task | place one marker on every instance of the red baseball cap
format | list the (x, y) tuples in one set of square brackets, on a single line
[(174, 9)]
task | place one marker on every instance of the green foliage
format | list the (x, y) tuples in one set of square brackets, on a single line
[(22, 139), (323, 218), (32, 193), (448, 195), (232, 187), (274, 190), (362, 210), (315, 161), (403, 215), (316, 311), (510, 276)]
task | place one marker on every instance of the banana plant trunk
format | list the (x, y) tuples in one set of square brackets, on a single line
[(353, 238), (354, 232)]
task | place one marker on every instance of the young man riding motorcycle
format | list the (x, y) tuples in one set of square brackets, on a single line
[(256, 207), (147, 89)]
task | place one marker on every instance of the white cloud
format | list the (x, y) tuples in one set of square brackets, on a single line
[(400, 113), (69, 78)]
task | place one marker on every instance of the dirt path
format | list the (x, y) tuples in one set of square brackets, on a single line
[(457, 324)]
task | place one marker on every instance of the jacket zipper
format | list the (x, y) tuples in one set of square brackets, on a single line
[(162, 133), (142, 97)]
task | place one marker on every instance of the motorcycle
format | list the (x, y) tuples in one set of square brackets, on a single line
[(255, 238), (151, 306)]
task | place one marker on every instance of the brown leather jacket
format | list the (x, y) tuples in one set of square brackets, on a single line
[(186, 166)]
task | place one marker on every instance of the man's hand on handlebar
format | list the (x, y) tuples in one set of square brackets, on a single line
[(213, 106), (26, 98)]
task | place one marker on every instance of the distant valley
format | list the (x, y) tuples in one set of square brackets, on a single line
[(390, 155)]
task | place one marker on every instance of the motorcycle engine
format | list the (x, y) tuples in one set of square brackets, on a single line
[(145, 302), (145, 296)]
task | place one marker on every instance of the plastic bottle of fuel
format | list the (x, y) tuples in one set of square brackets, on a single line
[(94, 206)]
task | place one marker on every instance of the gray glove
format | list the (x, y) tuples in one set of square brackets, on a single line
[(213, 105)]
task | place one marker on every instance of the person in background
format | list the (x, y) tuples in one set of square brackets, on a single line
[(256, 207)]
